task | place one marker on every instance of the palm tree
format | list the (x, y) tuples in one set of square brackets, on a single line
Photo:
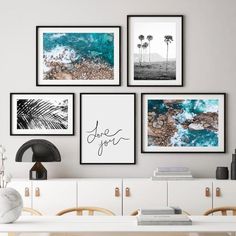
[(139, 47), (42, 114), (149, 38), (141, 38), (167, 39), (144, 46)]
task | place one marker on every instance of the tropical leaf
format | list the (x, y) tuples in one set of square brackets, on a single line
[(41, 114)]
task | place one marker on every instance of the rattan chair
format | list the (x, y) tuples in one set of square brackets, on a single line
[(223, 210), (31, 211), (80, 210)]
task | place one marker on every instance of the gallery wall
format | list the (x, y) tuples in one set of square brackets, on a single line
[(209, 66)]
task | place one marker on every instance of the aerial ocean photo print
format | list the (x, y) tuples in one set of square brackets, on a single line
[(182, 123), (77, 56)]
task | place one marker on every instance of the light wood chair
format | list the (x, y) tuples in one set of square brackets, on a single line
[(134, 213), (32, 211), (80, 210), (223, 210)]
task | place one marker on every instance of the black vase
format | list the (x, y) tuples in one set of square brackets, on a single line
[(233, 166), (222, 172)]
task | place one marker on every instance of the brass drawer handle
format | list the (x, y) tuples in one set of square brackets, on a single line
[(27, 193), (218, 192), (127, 192), (207, 192), (37, 192), (117, 192)]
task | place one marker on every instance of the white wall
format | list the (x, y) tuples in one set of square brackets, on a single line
[(209, 66)]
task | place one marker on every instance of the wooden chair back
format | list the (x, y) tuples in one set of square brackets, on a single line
[(80, 210), (134, 213), (32, 211), (223, 210)]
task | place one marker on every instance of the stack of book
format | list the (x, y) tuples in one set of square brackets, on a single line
[(174, 173), (162, 216)]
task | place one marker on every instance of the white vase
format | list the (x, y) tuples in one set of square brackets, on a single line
[(11, 205)]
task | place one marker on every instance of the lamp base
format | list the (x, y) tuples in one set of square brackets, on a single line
[(38, 172)]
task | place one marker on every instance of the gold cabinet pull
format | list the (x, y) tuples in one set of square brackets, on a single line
[(207, 192), (127, 192), (27, 193), (218, 192), (117, 192), (37, 192)]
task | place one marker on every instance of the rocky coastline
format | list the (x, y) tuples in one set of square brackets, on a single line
[(84, 70), (162, 127)]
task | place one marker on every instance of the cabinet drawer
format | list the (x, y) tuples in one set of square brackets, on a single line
[(192, 196), (52, 196), (104, 193), (143, 193)]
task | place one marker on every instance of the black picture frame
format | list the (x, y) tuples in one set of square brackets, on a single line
[(82, 27), (129, 84), (224, 116), (81, 130), (71, 117)]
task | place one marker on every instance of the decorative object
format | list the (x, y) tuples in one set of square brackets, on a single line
[(4, 178), (155, 50), (42, 114), (107, 128), (183, 122), (11, 205), (78, 55), (233, 166), (222, 172), (38, 150), (10, 200)]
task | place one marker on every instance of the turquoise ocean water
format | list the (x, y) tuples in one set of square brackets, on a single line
[(80, 46), (191, 108)]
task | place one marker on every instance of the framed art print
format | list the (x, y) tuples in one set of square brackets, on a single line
[(107, 128), (183, 122), (78, 55), (155, 50), (42, 114)]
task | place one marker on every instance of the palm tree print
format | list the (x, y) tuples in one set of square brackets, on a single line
[(141, 38), (139, 47), (42, 114), (149, 38), (144, 46), (167, 39)]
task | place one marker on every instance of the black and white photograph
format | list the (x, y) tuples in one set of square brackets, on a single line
[(42, 114), (107, 128), (154, 50)]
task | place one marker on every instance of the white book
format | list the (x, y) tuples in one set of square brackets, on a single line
[(175, 169), (156, 173), (172, 178), (175, 176), (160, 211), (164, 220)]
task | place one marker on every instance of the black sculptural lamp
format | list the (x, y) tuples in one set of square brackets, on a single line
[(38, 150)]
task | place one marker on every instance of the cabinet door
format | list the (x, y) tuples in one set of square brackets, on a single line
[(104, 193), (25, 189), (143, 193), (194, 197), (52, 196), (224, 193)]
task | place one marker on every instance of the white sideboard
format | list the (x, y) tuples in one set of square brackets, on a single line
[(123, 196)]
